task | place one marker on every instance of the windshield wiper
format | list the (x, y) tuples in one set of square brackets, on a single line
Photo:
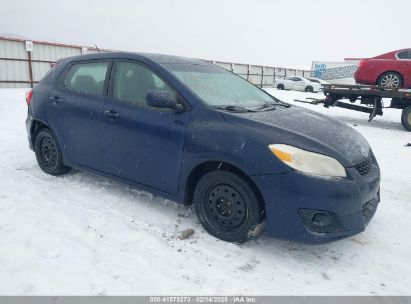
[(268, 106), (280, 102), (232, 108)]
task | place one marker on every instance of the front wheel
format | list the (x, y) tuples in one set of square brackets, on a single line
[(227, 207), (406, 118), (280, 87), (48, 153)]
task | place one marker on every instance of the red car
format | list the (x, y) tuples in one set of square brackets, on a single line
[(390, 70)]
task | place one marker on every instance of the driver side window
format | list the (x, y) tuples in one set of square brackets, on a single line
[(133, 81)]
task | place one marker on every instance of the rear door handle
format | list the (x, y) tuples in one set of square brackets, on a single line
[(56, 99), (111, 114)]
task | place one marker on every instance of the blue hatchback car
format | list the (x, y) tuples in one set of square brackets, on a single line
[(197, 134)]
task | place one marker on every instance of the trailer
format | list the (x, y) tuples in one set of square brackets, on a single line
[(370, 98)]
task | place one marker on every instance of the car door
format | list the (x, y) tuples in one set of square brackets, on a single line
[(288, 83), (403, 65), (141, 143), (408, 67), (76, 109), (299, 84)]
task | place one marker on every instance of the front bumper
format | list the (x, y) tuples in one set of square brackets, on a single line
[(296, 202)]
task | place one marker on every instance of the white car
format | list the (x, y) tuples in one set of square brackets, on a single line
[(297, 83)]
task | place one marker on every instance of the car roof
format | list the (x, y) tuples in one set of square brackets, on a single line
[(159, 58), (390, 55)]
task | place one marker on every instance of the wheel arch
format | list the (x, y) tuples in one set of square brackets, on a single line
[(36, 126), (205, 167), (390, 71)]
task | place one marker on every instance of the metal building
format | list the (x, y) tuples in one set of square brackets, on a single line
[(23, 63)]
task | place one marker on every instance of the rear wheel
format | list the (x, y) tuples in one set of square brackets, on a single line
[(390, 80), (227, 207), (48, 153), (309, 89), (406, 118), (280, 87)]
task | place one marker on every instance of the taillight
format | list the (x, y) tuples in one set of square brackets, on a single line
[(362, 62), (29, 95)]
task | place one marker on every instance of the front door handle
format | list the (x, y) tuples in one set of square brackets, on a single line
[(111, 114)]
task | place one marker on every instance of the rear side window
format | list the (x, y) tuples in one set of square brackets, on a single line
[(87, 77), (404, 55)]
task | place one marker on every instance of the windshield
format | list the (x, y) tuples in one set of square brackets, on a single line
[(218, 87)]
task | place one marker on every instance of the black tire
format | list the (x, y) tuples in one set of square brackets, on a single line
[(406, 118), (390, 80), (48, 153), (280, 87), (309, 89), (227, 207)]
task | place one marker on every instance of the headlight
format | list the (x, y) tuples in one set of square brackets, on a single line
[(308, 162)]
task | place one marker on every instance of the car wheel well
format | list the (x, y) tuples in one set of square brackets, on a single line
[(206, 167), (36, 126)]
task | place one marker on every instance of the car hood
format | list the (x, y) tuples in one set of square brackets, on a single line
[(307, 130)]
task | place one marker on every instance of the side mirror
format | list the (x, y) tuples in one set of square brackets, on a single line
[(163, 99)]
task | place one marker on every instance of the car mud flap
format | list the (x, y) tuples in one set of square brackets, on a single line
[(257, 230)]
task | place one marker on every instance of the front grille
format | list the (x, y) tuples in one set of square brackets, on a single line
[(364, 167), (368, 210)]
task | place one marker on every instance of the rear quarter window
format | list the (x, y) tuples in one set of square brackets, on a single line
[(87, 77), (404, 55)]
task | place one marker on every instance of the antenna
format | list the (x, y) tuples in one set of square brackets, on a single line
[(98, 50)]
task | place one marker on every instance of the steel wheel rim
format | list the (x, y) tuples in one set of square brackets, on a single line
[(225, 208), (390, 81), (48, 152), (409, 118)]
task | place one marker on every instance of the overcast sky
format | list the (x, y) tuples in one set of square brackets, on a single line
[(280, 33)]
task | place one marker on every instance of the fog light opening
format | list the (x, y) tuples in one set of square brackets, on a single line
[(320, 221)]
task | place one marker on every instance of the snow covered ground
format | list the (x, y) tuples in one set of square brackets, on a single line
[(83, 234)]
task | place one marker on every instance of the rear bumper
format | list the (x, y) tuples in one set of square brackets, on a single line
[(29, 122), (312, 209)]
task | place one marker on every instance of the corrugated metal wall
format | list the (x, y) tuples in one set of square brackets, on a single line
[(261, 75), (44, 55), (13, 69), (20, 68)]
